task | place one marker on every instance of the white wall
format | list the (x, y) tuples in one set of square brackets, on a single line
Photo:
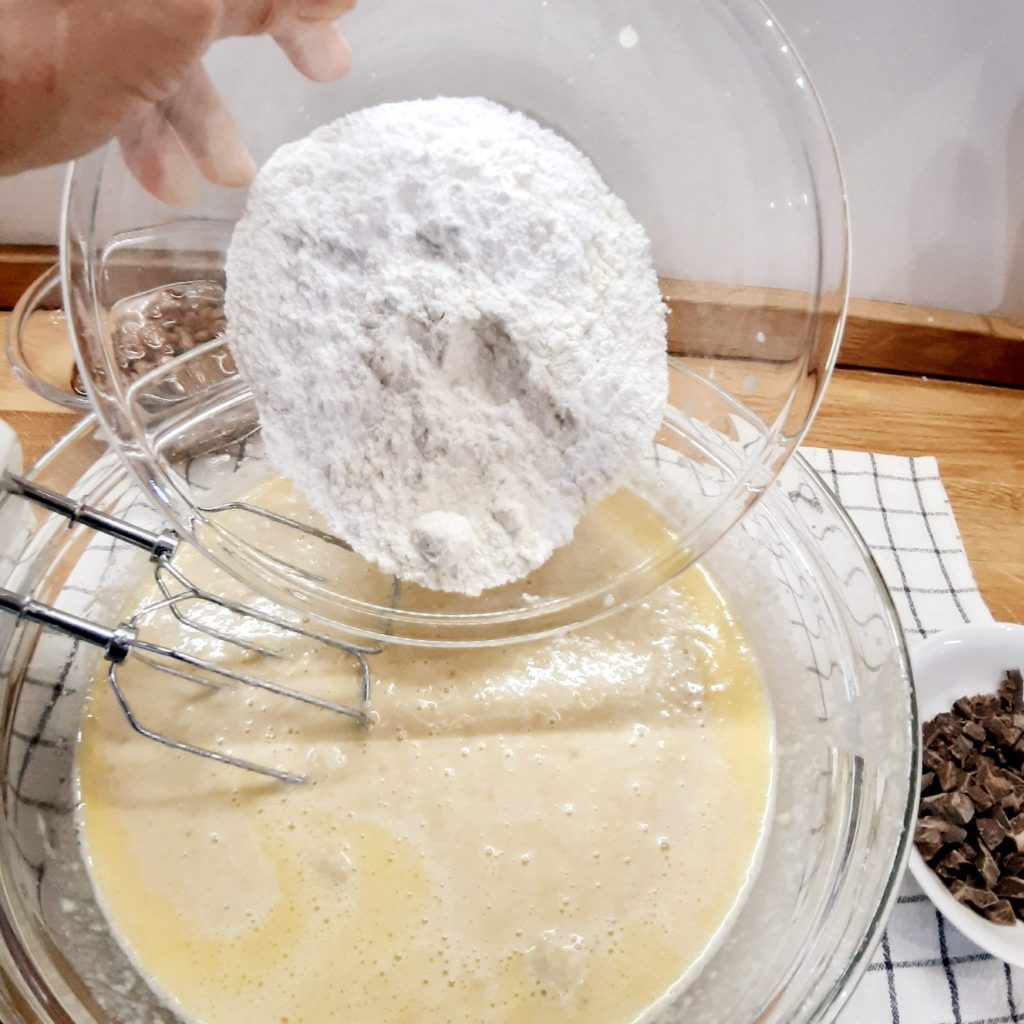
[(30, 206), (926, 98)]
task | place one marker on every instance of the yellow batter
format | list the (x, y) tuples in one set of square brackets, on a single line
[(539, 833)]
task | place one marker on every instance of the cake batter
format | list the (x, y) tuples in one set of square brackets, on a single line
[(543, 832)]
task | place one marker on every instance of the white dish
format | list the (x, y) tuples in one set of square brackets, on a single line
[(952, 664)]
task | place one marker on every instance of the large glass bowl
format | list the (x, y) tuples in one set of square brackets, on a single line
[(809, 600), (698, 114)]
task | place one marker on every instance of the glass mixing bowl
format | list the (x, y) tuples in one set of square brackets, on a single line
[(811, 604), (699, 115)]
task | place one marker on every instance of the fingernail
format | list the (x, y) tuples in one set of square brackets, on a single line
[(322, 9), (237, 169)]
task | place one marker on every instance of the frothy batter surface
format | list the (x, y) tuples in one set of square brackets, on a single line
[(544, 832)]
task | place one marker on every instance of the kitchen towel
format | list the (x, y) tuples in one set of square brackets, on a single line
[(924, 971)]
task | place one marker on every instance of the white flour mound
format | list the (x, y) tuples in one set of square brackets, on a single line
[(453, 332)]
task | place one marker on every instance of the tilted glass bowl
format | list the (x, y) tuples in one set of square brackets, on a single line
[(812, 606), (699, 115)]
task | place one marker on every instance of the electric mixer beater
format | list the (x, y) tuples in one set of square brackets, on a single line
[(186, 602)]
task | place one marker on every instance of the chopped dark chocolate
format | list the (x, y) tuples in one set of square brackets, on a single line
[(970, 826), (1004, 734), (959, 808), (937, 832), (975, 731), (1012, 802), (980, 797), (953, 863), (991, 832), (996, 783), (1011, 688), (980, 898), (950, 776), (961, 747), (987, 866), (1001, 912), (1013, 864), (1011, 888), (956, 807)]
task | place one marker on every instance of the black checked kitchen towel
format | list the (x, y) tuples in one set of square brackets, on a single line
[(924, 971)]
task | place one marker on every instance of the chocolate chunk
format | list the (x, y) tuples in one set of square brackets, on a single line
[(960, 748), (991, 832), (949, 775), (929, 837), (926, 781), (980, 798), (1011, 888), (959, 808), (1001, 912), (954, 833), (937, 832), (955, 807), (1012, 687), (995, 783), (953, 863), (974, 731), (1013, 864), (1004, 734), (987, 866), (1012, 802), (980, 898)]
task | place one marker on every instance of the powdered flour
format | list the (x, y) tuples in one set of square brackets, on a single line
[(453, 332)]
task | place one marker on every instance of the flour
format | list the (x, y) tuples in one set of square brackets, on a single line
[(453, 332)]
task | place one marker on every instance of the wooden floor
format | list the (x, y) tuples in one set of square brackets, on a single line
[(975, 431)]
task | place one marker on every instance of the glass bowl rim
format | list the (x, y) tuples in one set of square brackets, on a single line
[(17, 962)]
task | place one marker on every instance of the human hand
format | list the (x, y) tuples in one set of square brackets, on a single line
[(75, 74)]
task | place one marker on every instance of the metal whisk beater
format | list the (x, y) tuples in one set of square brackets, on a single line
[(178, 596)]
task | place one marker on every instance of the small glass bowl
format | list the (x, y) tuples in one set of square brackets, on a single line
[(814, 609), (699, 115)]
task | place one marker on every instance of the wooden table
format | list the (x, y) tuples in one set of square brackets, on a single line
[(975, 431)]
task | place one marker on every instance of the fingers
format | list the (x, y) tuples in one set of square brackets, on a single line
[(157, 159), (316, 48), (203, 125), (321, 10), (254, 17), (193, 121)]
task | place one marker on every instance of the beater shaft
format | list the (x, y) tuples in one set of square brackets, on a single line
[(159, 545), (115, 643)]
